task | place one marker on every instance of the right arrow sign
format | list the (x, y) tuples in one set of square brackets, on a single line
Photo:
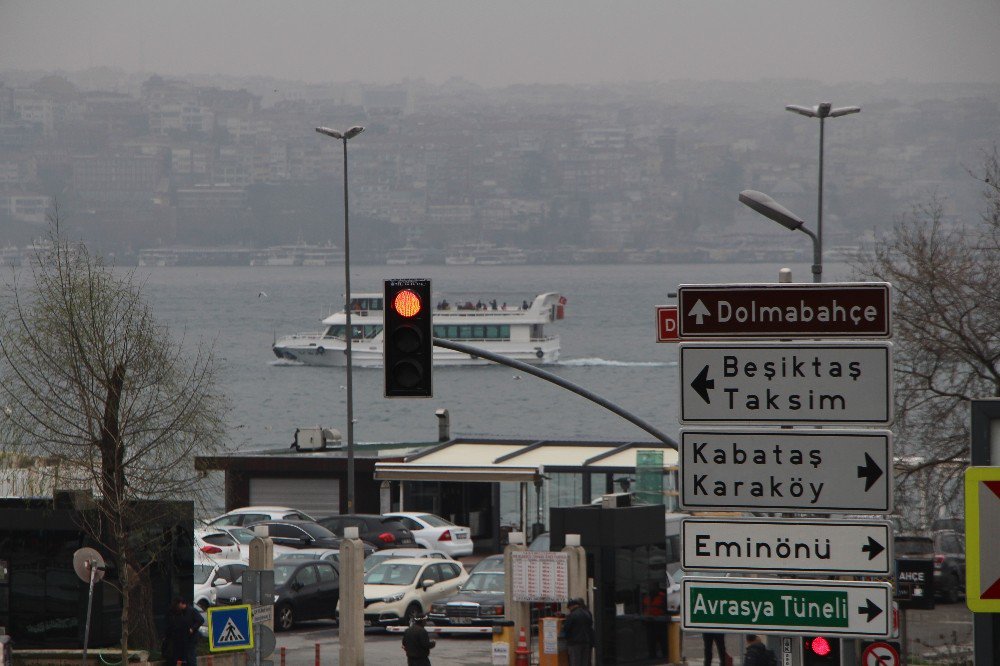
[(807, 470), (795, 607), (813, 547)]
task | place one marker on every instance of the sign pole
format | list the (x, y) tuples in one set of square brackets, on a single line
[(985, 418)]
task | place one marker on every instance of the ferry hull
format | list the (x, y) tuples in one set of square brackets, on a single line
[(367, 356)]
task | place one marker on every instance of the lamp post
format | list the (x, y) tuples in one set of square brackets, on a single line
[(823, 110), (344, 137), (773, 210)]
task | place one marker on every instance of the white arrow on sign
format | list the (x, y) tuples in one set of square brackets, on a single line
[(838, 470), (818, 547), (786, 383), (699, 312), (792, 607)]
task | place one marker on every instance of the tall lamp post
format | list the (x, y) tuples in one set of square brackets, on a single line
[(773, 210), (344, 137), (822, 111)]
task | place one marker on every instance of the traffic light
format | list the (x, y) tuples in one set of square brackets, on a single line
[(408, 339), (820, 651)]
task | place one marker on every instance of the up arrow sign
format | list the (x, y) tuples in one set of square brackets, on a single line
[(699, 312)]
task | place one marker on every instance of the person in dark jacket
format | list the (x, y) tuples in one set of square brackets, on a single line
[(417, 644), (719, 640), (757, 653), (578, 630), (183, 623)]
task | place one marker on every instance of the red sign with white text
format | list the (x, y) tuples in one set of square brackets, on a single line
[(666, 324)]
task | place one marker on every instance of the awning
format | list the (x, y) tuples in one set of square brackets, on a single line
[(519, 460)]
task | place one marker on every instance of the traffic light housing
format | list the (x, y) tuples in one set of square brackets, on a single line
[(408, 339), (820, 651)]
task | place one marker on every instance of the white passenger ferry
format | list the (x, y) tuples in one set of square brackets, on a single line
[(514, 330)]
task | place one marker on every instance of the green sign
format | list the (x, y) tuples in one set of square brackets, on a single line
[(801, 608), (649, 476), (786, 606)]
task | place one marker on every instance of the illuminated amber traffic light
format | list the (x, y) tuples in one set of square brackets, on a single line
[(408, 339)]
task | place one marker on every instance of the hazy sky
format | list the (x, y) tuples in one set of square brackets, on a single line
[(513, 41)]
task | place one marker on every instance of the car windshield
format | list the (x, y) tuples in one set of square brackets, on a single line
[(202, 572), (484, 582), (490, 564), (316, 531), (296, 556), (242, 534), (282, 572), (435, 521), (917, 546), (392, 573)]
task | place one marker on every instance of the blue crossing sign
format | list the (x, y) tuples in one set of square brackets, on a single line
[(229, 628)]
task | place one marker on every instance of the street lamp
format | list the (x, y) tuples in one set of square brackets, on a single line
[(773, 210), (344, 136), (822, 111)]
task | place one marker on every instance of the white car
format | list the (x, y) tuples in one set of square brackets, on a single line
[(249, 515), (218, 544), (436, 533), (323, 554), (211, 573), (396, 591), (380, 556)]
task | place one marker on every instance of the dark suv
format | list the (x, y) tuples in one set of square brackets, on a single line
[(377, 530), (949, 564), (302, 591)]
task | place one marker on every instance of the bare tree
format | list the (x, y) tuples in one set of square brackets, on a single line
[(93, 386), (946, 279)]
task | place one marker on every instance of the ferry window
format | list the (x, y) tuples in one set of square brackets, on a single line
[(479, 332), (492, 332), (464, 332), (440, 331), (334, 332), (505, 332), (453, 331), (376, 304), (358, 331), (372, 331)]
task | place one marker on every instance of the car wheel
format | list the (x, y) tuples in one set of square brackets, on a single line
[(412, 611), (284, 617)]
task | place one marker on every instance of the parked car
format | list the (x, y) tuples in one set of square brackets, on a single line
[(380, 556), (217, 543), (491, 563), (949, 564), (541, 543), (244, 535), (330, 555), (300, 534), (249, 515), (436, 533), (307, 590), (398, 590), (377, 530), (479, 601), (209, 574)]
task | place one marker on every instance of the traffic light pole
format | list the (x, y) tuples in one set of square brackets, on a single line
[(558, 381)]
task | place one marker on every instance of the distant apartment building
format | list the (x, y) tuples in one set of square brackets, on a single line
[(118, 178), (30, 208)]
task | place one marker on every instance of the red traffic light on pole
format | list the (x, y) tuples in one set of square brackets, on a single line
[(820, 651), (408, 339)]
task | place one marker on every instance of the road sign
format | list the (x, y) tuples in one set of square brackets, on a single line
[(794, 607), (880, 654), (666, 323), (831, 310), (915, 584), (229, 628), (768, 382), (839, 470), (818, 547), (982, 539)]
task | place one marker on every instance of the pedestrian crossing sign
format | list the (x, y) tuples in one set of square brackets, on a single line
[(230, 628), (982, 539)]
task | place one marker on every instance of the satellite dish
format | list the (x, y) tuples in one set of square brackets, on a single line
[(86, 559)]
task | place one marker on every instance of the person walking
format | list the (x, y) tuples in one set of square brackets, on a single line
[(719, 640), (578, 630), (181, 642), (417, 644), (757, 653)]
